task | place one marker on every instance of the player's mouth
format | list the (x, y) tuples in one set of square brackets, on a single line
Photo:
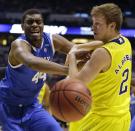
[(96, 35), (35, 33)]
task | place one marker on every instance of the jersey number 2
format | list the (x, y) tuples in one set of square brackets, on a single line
[(123, 87)]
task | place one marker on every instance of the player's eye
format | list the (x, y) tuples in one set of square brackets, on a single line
[(39, 22), (29, 22)]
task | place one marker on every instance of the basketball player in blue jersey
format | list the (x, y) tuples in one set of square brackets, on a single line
[(28, 62), (107, 74)]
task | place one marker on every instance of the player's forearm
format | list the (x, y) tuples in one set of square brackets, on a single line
[(91, 45), (46, 66), (61, 44), (73, 70)]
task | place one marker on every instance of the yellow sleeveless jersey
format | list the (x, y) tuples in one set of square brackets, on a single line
[(110, 93), (111, 89)]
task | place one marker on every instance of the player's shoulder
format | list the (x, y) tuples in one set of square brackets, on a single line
[(17, 43), (120, 40), (100, 51), (101, 55)]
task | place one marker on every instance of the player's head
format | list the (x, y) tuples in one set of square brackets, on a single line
[(32, 24), (107, 20)]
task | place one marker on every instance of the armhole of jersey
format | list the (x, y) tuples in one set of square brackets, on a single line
[(17, 66), (51, 38), (111, 58)]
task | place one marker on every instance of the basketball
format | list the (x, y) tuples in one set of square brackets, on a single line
[(70, 100)]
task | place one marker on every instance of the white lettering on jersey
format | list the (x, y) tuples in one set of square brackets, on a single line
[(39, 75), (47, 58)]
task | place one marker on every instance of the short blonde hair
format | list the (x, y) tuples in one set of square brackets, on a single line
[(111, 12)]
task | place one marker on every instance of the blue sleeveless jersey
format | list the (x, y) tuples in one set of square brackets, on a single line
[(21, 84)]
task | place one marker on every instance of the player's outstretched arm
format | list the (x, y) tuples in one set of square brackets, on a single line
[(20, 53), (61, 44), (90, 45), (87, 46), (83, 51), (100, 61)]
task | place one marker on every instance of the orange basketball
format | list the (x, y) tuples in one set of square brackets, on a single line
[(70, 100)]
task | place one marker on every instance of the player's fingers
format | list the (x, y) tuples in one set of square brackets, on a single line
[(81, 54), (67, 60)]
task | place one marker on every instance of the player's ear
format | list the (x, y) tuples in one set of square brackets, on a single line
[(113, 25)]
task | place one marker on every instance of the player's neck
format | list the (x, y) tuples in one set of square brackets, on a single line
[(37, 43), (115, 36)]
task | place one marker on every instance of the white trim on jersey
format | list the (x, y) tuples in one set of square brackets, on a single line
[(52, 43), (17, 66)]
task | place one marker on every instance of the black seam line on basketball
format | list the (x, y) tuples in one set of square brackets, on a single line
[(72, 91), (60, 107), (62, 84), (71, 103)]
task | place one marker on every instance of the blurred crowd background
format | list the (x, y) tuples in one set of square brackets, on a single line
[(68, 13)]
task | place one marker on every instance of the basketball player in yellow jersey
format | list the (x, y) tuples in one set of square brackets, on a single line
[(107, 74)]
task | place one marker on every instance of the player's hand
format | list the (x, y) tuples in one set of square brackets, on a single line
[(81, 54)]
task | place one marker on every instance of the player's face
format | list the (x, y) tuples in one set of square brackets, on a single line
[(101, 29), (33, 27)]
